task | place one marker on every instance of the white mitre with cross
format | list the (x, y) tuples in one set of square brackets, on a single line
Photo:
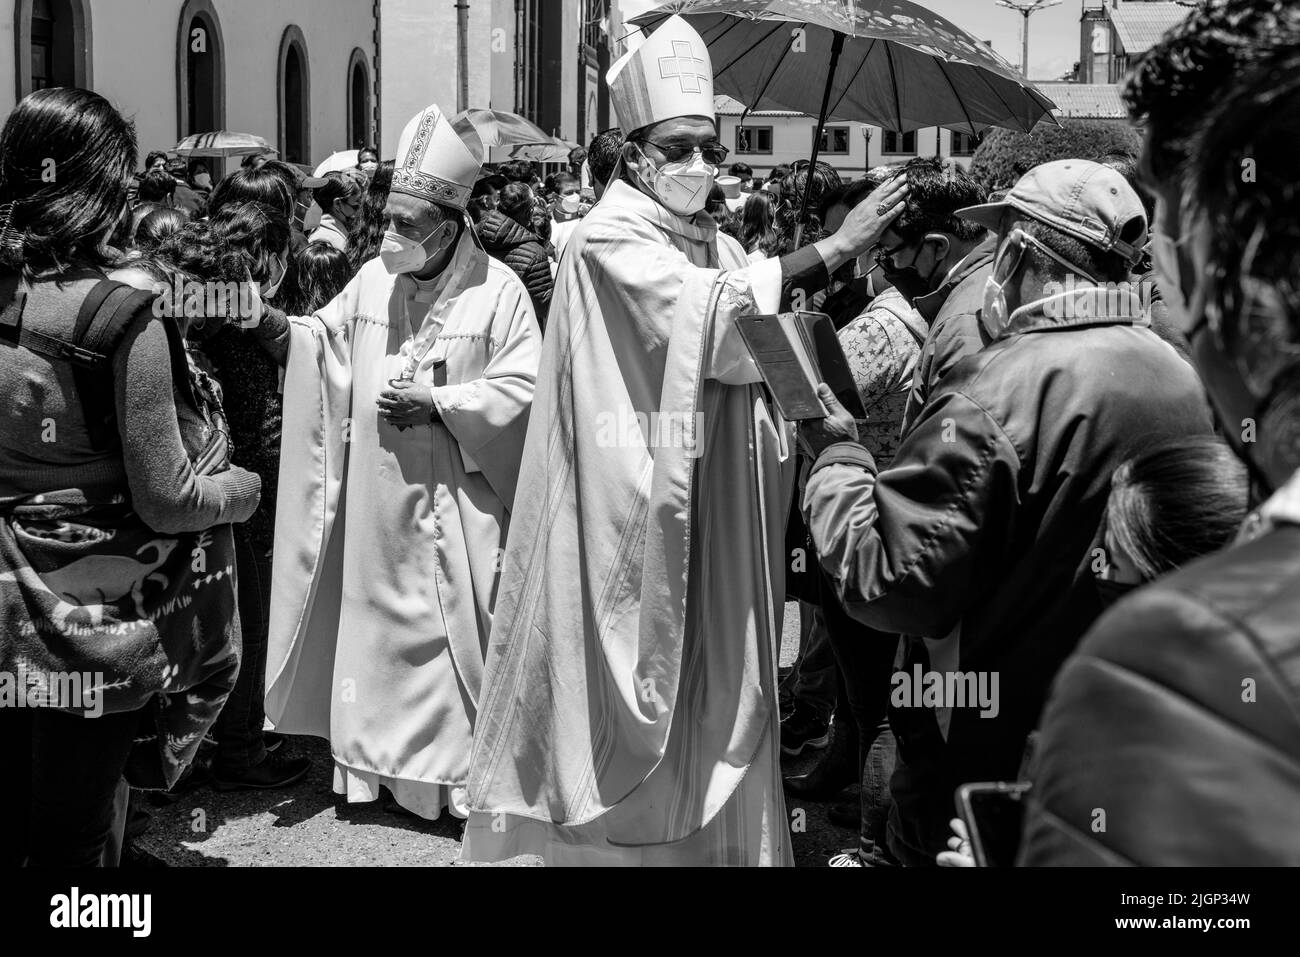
[(438, 160), (668, 75)]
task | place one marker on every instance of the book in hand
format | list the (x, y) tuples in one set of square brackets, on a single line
[(795, 351)]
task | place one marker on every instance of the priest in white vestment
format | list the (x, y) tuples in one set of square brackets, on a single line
[(406, 403), (629, 711)]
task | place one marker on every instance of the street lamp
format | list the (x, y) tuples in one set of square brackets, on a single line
[(1026, 8)]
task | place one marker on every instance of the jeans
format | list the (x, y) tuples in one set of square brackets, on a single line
[(812, 681), (240, 743), (61, 806), (865, 658)]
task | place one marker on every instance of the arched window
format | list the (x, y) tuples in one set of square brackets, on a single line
[(52, 44), (358, 101), (295, 97), (200, 70)]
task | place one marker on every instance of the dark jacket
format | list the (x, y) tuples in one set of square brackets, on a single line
[(980, 536), (952, 312), (521, 250), (1179, 718)]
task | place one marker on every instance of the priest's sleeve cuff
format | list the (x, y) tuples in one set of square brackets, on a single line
[(845, 453)]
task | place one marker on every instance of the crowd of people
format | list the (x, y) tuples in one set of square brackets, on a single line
[(294, 455)]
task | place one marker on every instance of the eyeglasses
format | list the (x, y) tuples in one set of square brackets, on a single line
[(884, 256), (715, 154)]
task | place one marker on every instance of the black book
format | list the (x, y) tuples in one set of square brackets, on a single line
[(794, 352)]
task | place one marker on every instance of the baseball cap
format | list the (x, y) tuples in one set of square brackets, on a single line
[(1087, 201)]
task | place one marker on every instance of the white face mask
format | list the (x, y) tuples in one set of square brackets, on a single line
[(268, 292), (683, 188), (570, 202), (994, 315), (401, 255)]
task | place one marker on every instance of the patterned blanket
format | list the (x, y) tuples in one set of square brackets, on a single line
[(100, 614)]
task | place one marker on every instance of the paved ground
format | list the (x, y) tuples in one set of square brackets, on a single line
[(307, 825)]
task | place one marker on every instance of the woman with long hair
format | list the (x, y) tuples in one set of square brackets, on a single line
[(318, 272), (244, 243), (368, 229), (758, 226), (106, 511)]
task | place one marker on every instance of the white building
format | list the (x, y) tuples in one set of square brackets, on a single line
[(316, 76), (772, 137), (298, 72)]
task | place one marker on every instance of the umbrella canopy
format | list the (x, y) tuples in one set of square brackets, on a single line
[(892, 63), (343, 159), (555, 150), (500, 128), (223, 143)]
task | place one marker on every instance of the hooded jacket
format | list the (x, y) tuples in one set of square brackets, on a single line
[(982, 535), (505, 239)]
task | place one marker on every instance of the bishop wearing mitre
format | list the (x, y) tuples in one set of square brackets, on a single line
[(629, 709), (406, 402)]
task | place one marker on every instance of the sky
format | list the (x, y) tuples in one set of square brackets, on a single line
[(1053, 33)]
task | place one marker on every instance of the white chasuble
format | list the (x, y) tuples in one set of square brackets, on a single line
[(388, 542), (629, 707)]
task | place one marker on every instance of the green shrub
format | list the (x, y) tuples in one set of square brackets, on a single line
[(1006, 155)]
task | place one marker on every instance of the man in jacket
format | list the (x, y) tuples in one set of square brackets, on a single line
[(1172, 737), (939, 263), (981, 535)]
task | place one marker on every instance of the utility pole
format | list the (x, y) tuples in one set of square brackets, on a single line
[(1026, 9), (462, 54)]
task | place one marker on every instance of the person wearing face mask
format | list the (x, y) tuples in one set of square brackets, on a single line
[(882, 343), (1179, 713), (341, 198), (406, 402), (368, 161), (567, 210), (644, 587), (506, 234), (977, 544), (939, 263)]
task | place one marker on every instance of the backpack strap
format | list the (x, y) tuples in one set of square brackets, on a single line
[(108, 311)]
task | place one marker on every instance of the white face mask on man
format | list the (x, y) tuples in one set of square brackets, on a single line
[(402, 255), (683, 188), (571, 202)]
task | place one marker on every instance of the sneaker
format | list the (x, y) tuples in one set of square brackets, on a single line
[(803, 730), (848, 857), (274, 771)]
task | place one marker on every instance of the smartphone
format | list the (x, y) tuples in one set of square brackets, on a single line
[(993, 812)]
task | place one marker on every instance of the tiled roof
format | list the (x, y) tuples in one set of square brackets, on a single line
[(1140, 24), (1096, 101)]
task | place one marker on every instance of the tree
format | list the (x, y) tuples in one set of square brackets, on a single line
[(1006, 155)]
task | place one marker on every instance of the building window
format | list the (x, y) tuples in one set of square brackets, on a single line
[(52, 40), (295, 97), (835, 139), (528, 59), (964, 144), (201, 74), (899, 143), (753, 139), (359, 106)]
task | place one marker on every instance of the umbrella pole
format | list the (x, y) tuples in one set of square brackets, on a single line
[(837, 45)]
